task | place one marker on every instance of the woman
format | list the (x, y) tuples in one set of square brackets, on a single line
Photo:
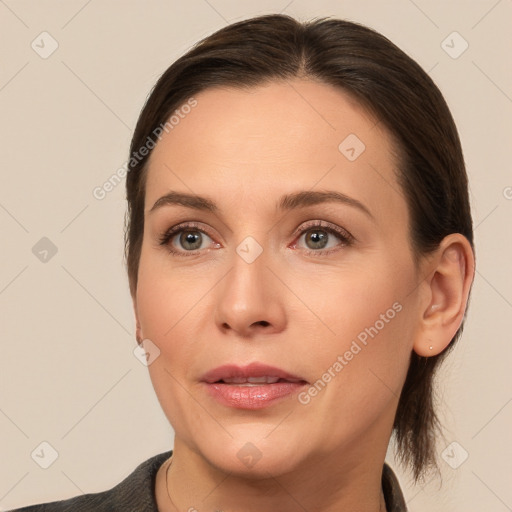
[(316, 172)]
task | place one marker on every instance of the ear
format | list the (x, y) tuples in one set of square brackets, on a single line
[(448, 286), (138, 330)]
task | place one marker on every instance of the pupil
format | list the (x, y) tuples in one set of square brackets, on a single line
[(319, 239), (190, 238)]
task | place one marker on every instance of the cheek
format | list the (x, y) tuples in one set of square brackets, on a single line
[(164, 307), (355, 297), (367, 304), (165, 297), (170, 314), (361, 366)]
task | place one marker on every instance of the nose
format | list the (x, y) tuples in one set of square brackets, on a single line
[(250, 299)]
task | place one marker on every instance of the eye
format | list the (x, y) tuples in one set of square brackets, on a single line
[(321, 238), (186, 239)]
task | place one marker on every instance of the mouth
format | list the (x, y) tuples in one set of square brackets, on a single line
[(254, 381), (255, 386)]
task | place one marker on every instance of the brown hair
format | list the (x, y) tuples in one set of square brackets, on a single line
[(395, 89)]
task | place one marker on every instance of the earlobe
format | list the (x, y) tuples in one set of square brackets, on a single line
[(449, 286)]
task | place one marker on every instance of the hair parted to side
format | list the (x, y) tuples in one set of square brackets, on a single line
[(395, 89)]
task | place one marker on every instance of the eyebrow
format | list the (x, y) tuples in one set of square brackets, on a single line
[(287, 202)]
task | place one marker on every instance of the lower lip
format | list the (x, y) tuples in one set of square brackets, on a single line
[(252, 397)]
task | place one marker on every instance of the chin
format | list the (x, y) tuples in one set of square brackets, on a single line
[(258, 459)]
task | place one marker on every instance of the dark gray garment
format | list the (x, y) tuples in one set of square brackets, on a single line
[(136, 493)]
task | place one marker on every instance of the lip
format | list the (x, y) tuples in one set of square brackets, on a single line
[(256, 396), (230, 371)]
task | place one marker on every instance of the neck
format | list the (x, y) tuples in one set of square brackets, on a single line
[(330, 483)]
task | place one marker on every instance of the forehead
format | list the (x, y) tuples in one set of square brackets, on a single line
[(276, 138)]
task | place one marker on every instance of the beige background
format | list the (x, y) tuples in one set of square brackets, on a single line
[(68, 375)]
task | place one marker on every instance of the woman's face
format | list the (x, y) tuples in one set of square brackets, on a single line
[(298, 257)]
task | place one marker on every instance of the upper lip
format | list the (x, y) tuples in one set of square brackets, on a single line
[(229, 371)]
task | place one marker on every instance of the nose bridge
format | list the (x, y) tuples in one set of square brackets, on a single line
[(246, 285), (248, 297)]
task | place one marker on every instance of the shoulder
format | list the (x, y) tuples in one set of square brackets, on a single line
[(395, 501), (135, 492)]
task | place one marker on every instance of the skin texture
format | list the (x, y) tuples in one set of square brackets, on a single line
[(292, 309)]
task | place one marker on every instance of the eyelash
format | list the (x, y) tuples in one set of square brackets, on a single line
[(346, 238)]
